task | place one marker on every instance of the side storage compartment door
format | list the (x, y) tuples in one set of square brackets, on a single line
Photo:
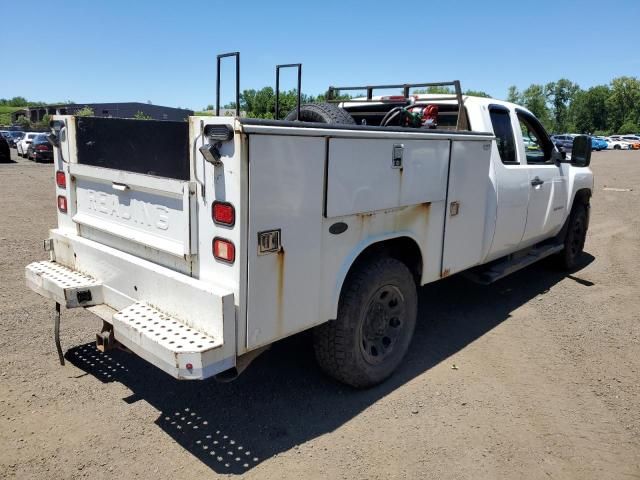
[(286, 178), (369, 175), (467, 216)]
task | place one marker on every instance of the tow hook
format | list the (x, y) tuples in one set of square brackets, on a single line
[(104, 339)]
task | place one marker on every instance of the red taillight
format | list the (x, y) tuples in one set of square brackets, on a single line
[(42, 148), (61, 179), (223, 213), (62, 203), (224, 250)]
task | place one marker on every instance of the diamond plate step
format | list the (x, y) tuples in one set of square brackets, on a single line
[(164, 341), (64, 285)]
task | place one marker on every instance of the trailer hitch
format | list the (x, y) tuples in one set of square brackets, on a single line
[(104, 339)]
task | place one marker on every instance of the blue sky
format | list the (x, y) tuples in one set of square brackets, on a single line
[(164, 51)]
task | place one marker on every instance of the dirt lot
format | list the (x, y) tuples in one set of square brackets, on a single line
[(545, 384)]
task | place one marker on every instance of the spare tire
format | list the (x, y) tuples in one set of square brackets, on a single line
[(322, 113)]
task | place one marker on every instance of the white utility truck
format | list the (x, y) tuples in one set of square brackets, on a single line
[(200, 243)]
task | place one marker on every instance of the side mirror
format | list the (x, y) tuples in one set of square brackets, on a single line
[(581, 151)]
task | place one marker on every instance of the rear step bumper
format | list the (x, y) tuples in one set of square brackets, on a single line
[(186, 344), (59, 283)]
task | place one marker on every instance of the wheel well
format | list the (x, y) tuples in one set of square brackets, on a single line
[(582, 197), (404, 249)]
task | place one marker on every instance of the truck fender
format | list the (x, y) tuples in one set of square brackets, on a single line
[(374, 244), (581, 196)]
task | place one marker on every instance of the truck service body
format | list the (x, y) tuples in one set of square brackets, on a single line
[(201, 243)]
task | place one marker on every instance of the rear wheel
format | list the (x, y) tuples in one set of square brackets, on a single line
[(374, 326), (322, 113), (616, 147)]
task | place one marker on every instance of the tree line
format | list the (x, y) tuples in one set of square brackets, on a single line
[(23, 102), (563, 106)]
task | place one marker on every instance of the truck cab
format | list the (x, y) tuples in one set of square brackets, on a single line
[(532, 184)]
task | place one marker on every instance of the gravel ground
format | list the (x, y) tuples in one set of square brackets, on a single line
[(535, 376)]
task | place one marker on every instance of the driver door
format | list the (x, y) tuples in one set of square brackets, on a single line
[(547, 181)]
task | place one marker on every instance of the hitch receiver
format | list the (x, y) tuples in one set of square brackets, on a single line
[(105, 340)]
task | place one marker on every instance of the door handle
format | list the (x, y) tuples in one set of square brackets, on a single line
[(536, 181), (121, 187)]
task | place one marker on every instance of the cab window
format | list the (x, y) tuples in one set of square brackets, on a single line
[(502, 129), (537, 146)]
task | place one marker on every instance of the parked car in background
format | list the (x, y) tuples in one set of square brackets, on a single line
[(563, 141), (40, 149), (634, 142), (598, 144), (633, 139), (14, 138), (23, 144), (5, 153), (616, 144)]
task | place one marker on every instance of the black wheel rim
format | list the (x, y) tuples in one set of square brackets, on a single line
[(382, 325)]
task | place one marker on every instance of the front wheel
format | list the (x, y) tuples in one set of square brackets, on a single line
[(374, 326), (574, 240)]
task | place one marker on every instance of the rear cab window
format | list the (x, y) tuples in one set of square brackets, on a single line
[(503, 130)]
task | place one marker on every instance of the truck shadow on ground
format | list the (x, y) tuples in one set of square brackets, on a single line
[(283, 400)]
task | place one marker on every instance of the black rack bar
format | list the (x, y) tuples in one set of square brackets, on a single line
[(221, 56), (405, 86), (288, 65)]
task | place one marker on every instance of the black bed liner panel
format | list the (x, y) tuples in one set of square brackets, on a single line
[(151, 147)]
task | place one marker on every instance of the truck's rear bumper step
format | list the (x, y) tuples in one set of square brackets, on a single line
[(65, 286), (164, 341)]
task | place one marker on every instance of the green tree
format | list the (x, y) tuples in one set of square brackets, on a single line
[(17, 102), (513, 95), (588, 110), (623, 104), (85, 111), (262, 103), (560, 94), (440, 90), (44, 121), (142, 116), (628, 127), (535, 100), (477, 93), (23, 122)]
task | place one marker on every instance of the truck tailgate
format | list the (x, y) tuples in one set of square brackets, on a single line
[(151, 211)]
